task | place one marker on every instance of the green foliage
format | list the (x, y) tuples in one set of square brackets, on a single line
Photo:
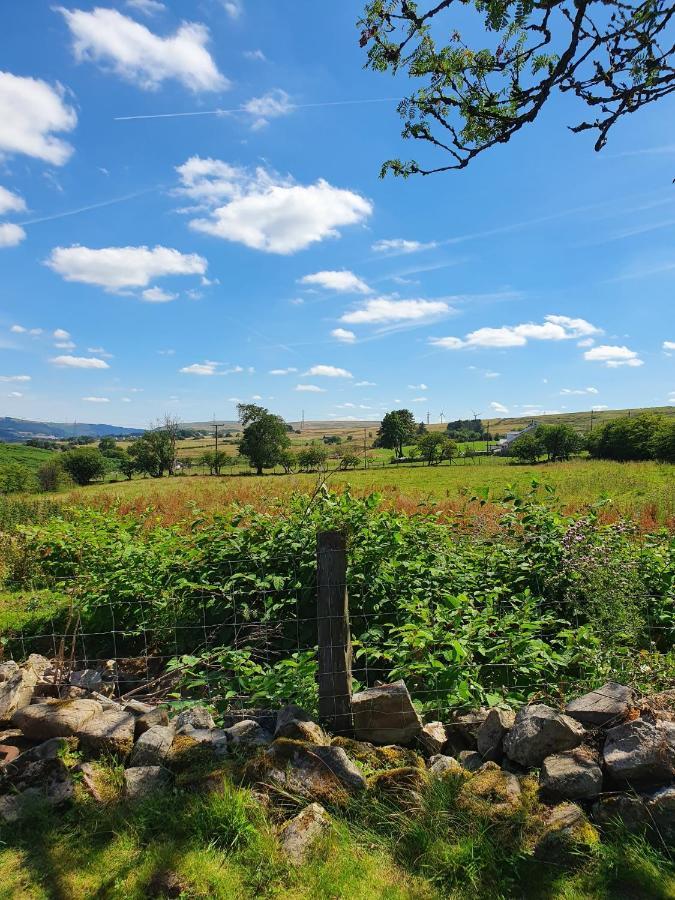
[(312, 458), (527, 448), (51, 475), (154, 452), (264, 438), (559, 441), (15, 478), (435, 447), (634, 438), (84, 464), (397, 429)]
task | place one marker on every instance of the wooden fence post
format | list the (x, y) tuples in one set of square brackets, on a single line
[(335, 643)]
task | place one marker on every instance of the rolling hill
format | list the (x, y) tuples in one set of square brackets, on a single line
[(19, 430)]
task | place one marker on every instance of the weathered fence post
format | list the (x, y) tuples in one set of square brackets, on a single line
[(335, 643)]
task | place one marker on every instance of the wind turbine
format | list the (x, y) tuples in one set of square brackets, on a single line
[(442, 414)]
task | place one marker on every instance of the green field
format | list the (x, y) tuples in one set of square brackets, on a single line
[(31, 457)]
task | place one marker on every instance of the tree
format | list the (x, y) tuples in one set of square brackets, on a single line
[(154, 452), (15, 478), (128, 466), (51, 476), (349, 460), (288, 461), (527, 448), (397, 429), (615, 57), (558, 441), (312, 458), (630, 437), (214, 461), (83, 464), (663, 442), (264, 437), (435, 446)]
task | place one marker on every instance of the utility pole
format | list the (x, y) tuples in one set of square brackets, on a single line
[(591, 431), (365, 458), (427, 417)]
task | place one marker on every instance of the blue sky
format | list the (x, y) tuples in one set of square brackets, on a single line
[(183, 263)]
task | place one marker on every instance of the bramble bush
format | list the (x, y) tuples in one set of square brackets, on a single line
[(546, 606)]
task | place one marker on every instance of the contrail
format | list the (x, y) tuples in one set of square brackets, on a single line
[(244, 109), (82, 209)]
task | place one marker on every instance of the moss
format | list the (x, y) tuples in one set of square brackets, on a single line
[(491, 792), (376, 759), (400, 785), (186, 754)]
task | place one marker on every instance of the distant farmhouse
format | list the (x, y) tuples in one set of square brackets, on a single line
[(503, 446)]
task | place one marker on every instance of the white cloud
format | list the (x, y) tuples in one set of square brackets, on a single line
[(599, 408), (61, 334), (19, 329), (579, 391), (586, 342), (31, 112), (234, 8), (498, 407), (126, 399), (492, 375), (343, 281), (97, 399), (396, 246), (15, 394), (329, 372), (146, 7), (10, 202), (11, 235), (79, 362), (115, 268), (613, 356), (10, 378), (272, 105), (383, 310), (364, 384), (343, 335), (264, 211), (157, 295), (669, 345), (418, 387), (100, 351), (283, 371), (310, 388), (255, 55), (205, 368), (138, 55), (419, 400), (65, 345), (554, 328)]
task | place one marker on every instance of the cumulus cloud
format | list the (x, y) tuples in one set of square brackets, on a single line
[(669, 345), (10, 202), (20, 329), (146, 7), (116, 268), (272, 105), (498, 407), (342, 281), (255, 55), (329, 372), (310, 388), (554, 328), (265, 211), (97, 399), (613, 356), (395, 246), (234, 8), (343, 335), (11, 235), (157, 295), (384, 310), (135, 53), (364, 384), (13, 378), (32, 113), (79, 362), (418, 387), (205, 368), (288, 371), (579, 391), (100, 351), (15, 394)]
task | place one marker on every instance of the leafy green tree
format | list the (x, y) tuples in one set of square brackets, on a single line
[(154, 452), (663, 442), (615, 57), (214, 461), (627, 438), (349, 460), (558, 441), (51, 475), (527, 448), (84, 464), (288, 460), (108, 445), (435, 446), (15, 478), (264, 436), (312, 458), (397, 429), (128, 466)]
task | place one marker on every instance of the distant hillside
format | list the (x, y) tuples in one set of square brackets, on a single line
[(581, 421), (18, 430)]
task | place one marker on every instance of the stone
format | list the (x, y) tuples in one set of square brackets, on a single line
[(139, 781), (293, 722), (385, 715), (639, 751), (247, 734), (402, 786), (46, 751), (152, 747), (59, 718), (572, 775), (491, 791), (378, 758), (196, 717), (606, 705), (432, 738), (540, 731), (87, 679), (661, 808), (628, 809), (89, 775), (318, 773), (440, 766), (109, 732), (38, 664), (567, 835), (289, 713), (490, 735), (156, 716), (267, 718), (8, 753), (300, 834), (471, 760), (462, 731), (194, 745), (16, 692), (7, 669)]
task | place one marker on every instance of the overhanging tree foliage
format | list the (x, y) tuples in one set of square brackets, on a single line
[(614, 56)]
